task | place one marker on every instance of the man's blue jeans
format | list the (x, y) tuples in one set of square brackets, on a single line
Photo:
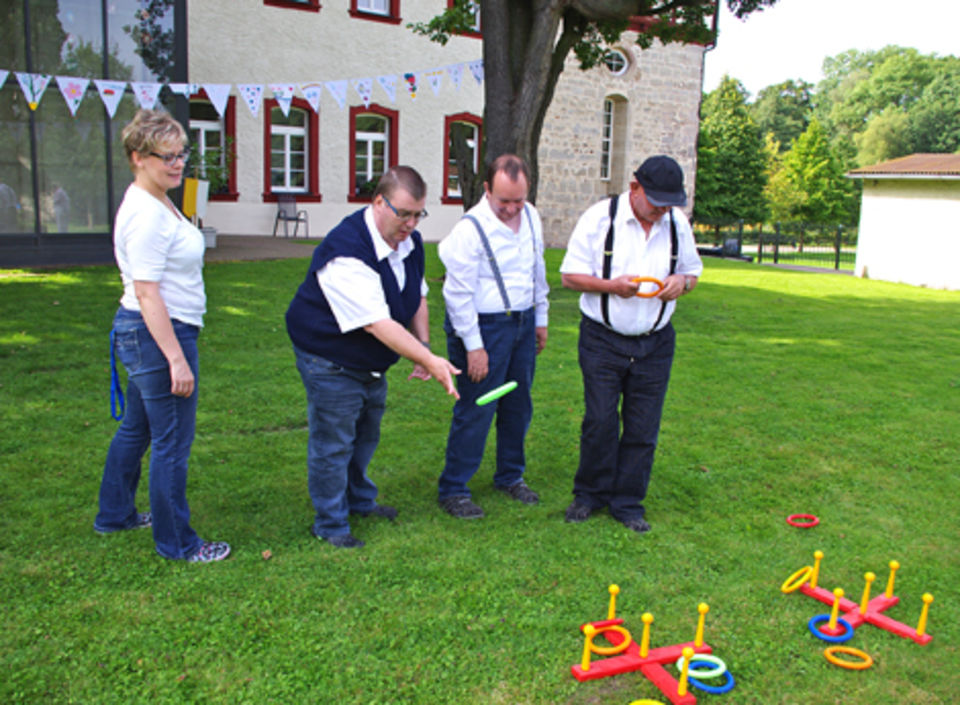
[(511, 345), (156, 418), (624, 386), (344, 409)]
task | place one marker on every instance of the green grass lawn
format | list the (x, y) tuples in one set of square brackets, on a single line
[(791, 392)]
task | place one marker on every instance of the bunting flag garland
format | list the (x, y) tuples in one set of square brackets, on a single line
[(312, 92), (33, 85), (455, 72), (252, 94), (410, 80), (476, 68), (338, 89), (364, 88), (184, 89), (218, 94), (434, 78), (73, 90), (389, 86), (146, 94), (283, 94), (111, 92), (3, 77)]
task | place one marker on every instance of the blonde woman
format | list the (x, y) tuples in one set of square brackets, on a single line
[(160, 256)]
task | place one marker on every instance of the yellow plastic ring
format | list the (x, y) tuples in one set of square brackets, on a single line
[(646, 702), (796, 580), (864, 662), (611, 650)]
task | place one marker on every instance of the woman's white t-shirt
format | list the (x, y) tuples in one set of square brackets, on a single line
[(153, 244)]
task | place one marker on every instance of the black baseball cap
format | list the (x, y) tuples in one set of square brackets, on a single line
[(662, 181)]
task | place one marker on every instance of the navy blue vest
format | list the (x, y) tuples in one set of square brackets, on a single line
[(311, 324)]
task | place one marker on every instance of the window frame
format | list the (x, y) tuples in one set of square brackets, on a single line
[(477, 33), (305, 5), (229, 123), (390, 153), (312, 194), (606, 139), (393, 16), (448, 122)]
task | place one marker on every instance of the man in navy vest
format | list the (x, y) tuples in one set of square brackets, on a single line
[(626, 337), (496, 325), (360, 308)]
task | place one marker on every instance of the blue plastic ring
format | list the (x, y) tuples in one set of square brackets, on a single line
[(847, 634), (715, 689)]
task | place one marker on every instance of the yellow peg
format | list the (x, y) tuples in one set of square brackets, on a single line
[(835, 612), (702, 608), (817, 557), (612, 610), (684, 674), (893, 570), (647, 620), (590, 631), (865, 600), (922, 625)]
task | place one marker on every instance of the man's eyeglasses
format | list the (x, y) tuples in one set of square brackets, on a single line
[(405, 215), (171, 159)]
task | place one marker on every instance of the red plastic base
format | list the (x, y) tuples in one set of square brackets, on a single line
[(850, 611)]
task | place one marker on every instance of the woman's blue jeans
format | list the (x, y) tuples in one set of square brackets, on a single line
[(157, 419), (344, 409)]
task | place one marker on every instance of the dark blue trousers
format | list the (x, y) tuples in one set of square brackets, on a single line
[(511, 345), (624, 385)]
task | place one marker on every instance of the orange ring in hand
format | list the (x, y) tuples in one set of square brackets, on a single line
[(651, 294)]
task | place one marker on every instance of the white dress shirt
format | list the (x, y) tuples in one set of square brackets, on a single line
[(633, 253), (353, 289), (470, 287)]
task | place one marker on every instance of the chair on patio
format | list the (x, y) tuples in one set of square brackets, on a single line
[(287, 213)]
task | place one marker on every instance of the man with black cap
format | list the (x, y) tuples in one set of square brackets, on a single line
[(626, 338)]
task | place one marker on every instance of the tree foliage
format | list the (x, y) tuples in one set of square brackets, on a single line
[(731, 172), (783, 110), (526, 42), (813, 169)]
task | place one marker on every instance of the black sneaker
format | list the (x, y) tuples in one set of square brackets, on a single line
[(345, 541), (144, 519), (521, 493), (381, 510), (577, 512), (638, 524), (461, 507), (210, 551)]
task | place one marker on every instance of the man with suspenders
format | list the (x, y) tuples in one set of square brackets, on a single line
[(496, 296), (626, 338)]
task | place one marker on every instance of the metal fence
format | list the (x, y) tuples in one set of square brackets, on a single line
[(807, 244)]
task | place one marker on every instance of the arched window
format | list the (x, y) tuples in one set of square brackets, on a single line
[(373, 148), (471, 125), (613, 143)]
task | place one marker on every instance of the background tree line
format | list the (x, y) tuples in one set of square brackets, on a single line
[(783, 156)]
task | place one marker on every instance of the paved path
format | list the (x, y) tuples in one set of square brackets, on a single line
[(234, 248)]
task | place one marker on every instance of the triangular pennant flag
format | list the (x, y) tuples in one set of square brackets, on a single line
[(252, 94), (434, 78), (389, 86), (364, 88), (218, 94), (312, 92), (33, 85), (476, 68), (455, 72), (110, 93), (146, 94), (73, 91), (184, 89), (410, 81), (3, 77), (338, 89), (283, 94)]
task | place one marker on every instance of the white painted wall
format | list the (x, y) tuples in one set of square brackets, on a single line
[(910, 232)]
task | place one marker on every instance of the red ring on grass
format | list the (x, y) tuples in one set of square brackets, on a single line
[(809, 520)]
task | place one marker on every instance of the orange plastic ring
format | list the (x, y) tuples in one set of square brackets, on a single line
[(796, 580), (864, 662), (654, 280), (610, 650)]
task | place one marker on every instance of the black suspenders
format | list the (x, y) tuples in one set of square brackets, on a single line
[(608, 261)]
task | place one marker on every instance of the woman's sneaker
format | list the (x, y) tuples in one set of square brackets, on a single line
[(144, 520), (210, 551)]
